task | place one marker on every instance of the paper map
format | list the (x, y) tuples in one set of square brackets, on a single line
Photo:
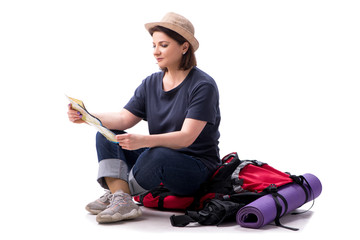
[(78, 105)]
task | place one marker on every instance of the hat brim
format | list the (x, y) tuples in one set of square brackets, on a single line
[(183, 32)]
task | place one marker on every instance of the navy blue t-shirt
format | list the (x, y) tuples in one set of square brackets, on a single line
[(197, 97)]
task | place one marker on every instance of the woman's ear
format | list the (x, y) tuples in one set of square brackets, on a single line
[(185, 46)]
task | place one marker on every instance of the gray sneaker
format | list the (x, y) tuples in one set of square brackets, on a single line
[(121, 207), (100, 204)]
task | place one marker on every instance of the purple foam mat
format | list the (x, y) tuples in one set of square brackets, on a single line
[(263, 210)]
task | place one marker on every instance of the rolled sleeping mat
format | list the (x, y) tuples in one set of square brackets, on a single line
[(263, 210)]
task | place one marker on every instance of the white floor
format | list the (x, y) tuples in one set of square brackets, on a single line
[(56, 215), (45, 188)]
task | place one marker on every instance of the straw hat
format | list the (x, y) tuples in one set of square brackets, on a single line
[(178, 24)]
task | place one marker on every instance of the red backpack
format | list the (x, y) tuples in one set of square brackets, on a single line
[(245, 179)]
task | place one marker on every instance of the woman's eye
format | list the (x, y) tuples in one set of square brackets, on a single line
[(164, 45)]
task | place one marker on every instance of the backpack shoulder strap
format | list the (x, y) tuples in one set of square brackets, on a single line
[(181, 220)]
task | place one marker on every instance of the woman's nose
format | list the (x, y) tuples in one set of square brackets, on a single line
[(156, 50)]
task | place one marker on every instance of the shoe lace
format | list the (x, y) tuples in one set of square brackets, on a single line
[(117, 198), (107, 195)]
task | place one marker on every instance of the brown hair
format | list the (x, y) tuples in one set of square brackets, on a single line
[(188, 60)]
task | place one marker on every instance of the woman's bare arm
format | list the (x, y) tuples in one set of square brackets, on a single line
[(116, 120), (190, 130)]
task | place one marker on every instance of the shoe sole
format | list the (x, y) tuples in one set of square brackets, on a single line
[(118, 217), (93, 211)]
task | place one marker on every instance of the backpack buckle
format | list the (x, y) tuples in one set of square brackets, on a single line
[(272, 188)]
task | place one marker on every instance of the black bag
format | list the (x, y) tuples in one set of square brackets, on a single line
[(216, 210), (214, 213)]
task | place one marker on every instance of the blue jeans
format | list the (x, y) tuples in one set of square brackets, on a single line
[(144, 169)]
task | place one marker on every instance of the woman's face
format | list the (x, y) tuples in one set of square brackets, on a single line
[(167, 51)]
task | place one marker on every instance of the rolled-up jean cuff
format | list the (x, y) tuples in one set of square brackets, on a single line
[(135, 188), (114, 168)]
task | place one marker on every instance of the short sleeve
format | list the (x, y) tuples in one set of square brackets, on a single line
[(203, 103), (136, 104)]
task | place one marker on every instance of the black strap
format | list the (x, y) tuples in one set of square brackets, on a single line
[(161, 203), (180, 220), (272, 189), (300, 181)]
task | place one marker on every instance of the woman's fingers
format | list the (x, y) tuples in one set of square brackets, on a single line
[(73, 115)]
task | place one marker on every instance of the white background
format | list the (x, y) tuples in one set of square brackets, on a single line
[(287, 72)]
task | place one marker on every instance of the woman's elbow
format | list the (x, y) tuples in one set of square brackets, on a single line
[(186, 142)]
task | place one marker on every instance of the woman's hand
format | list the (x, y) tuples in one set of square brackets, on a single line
[(131, 141), (74, 116)]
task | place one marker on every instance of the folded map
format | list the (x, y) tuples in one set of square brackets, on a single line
[(79, 106)]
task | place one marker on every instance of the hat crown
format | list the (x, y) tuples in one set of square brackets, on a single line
[(180, 21), (178, 24)]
